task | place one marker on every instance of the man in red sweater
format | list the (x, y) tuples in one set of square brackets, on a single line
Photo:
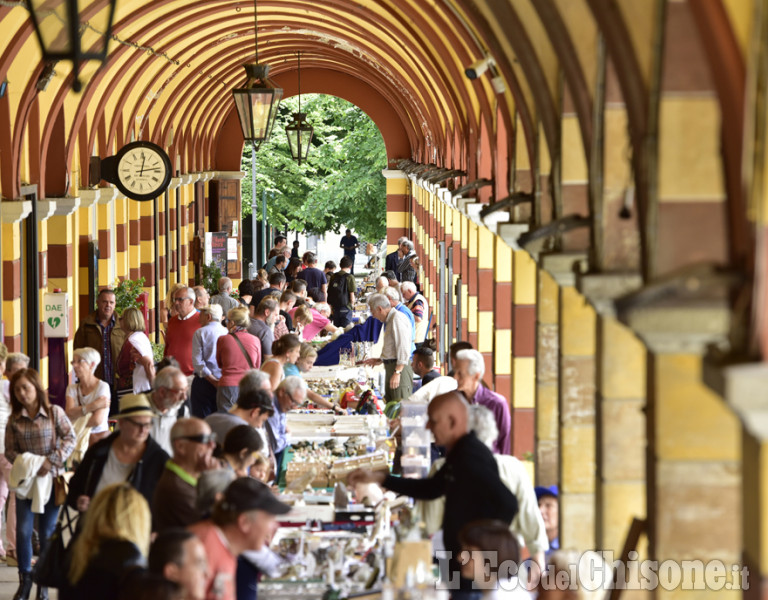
[(181, 329)]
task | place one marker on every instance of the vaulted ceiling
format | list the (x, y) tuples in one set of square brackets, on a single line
[(172, 64)]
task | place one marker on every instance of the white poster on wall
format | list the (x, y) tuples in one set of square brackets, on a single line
[(55, 315)]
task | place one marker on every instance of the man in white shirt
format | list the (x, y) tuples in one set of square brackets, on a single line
[(167, 401), (396, 351)]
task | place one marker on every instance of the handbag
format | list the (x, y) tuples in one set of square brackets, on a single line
[(52, 568), (61, 487), (60, 482)]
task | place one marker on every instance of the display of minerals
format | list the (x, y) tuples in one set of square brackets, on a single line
[(330, 387), (343, 467), (306, 451)]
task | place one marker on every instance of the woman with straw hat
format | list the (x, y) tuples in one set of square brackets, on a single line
[(129, 454)]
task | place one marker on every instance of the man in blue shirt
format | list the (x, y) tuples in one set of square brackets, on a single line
[(207, 370), (350, 244), (290, 394), (314, 277)]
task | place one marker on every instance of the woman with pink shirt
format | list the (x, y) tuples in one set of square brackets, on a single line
[(319, 322), (236, 353)]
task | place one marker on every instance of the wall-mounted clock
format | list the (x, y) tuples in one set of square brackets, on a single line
[(140, 170)]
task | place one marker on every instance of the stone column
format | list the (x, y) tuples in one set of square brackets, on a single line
[(694, 482), (620, 401), (577, 420), (547, 376), (744, 389), (398, 207)]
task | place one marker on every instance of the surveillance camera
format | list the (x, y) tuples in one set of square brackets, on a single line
[(477, 68)]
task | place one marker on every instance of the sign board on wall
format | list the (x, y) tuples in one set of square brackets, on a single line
[(216, 249), (55, 315)]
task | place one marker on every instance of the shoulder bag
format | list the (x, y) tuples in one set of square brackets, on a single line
[(53, 567), (60, 482)]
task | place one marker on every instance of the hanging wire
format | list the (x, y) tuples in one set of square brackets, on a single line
[(86, 25), (298, 54), (255, 32)]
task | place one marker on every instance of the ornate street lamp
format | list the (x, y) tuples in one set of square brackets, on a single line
[(299, 132), (59, 30), (258, 101)]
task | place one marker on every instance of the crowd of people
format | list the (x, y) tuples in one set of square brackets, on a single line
[(199, 435)]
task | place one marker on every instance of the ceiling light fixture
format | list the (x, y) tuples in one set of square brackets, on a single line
[(258, 101), (58, 29), (299, 132)]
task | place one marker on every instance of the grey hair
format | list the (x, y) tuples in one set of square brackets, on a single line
[(293, 384), (225, 283), (89, 355), (475, 362), (209, 484), (483, 423), (386, 281), (253, 380), (378, 301), (408, 286), (408, 244), (18, 357), (165, 378), (392, 293), (402, 240), (323, 308), (215, 310), (188, 292)]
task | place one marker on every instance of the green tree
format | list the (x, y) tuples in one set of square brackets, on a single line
[(339, 186)]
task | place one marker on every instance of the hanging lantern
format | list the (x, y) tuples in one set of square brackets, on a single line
[(299, 137), (299, 132), (258, 101), (60, 31)]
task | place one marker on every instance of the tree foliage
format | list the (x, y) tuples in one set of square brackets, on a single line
[(339, 186)]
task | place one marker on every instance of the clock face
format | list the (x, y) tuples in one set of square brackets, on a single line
[(143, 170)]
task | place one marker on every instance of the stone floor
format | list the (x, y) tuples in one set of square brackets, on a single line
[(9, 581)]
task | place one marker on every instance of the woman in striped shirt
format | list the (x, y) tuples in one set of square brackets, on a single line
[(40, 435)]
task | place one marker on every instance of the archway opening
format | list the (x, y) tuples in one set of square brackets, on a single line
[(340, 186)]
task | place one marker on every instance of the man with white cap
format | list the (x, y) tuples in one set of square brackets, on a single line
[(207, 370)]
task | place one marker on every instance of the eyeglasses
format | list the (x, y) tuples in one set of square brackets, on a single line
[(202, 438), (181, 299), (293, 400), (137, 425)]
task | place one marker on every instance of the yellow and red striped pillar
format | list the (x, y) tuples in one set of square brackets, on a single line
[(398, 207)]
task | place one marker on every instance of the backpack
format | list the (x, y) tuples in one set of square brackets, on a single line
[(338, 290)]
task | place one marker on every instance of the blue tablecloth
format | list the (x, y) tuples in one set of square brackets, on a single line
[(365, 332)]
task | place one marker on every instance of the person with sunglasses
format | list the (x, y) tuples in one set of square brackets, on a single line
[(173, 504), (129, 454)]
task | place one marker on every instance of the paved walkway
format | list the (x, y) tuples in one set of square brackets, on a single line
[(9, 582)]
